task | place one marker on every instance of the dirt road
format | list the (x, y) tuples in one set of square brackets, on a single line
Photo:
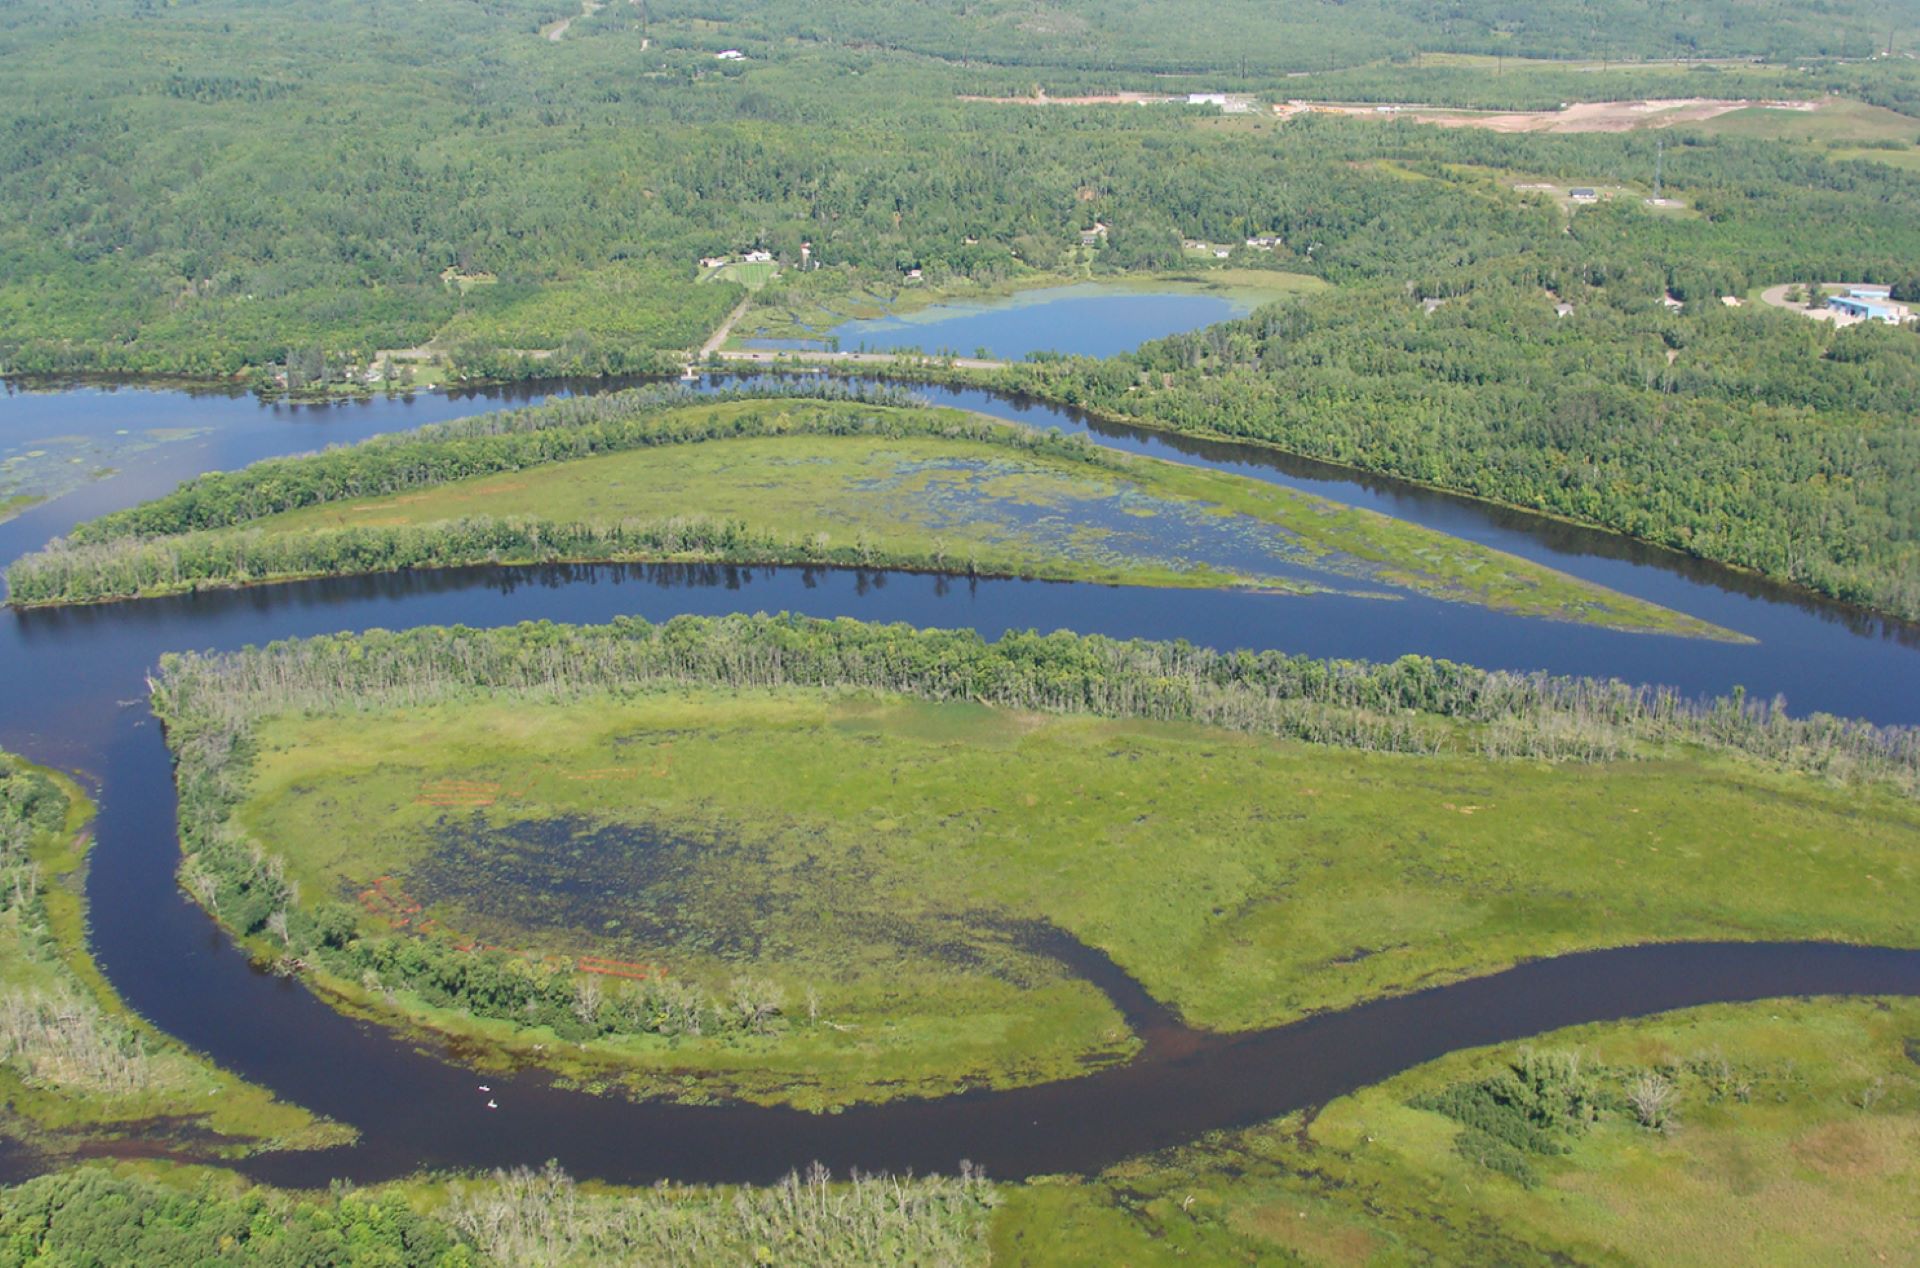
[(757, 356)]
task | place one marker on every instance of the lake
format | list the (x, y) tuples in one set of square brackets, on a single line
[(1089, 319)]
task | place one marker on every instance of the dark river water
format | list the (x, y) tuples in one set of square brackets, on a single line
[(72, 694)]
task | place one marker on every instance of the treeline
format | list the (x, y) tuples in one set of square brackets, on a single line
[(522, 1218), (52, 1034), (30, 804), (1242, 37), (557, 431), (1414, 704), (187, 540), (143, 567), (541, 1217), (1755, 438)]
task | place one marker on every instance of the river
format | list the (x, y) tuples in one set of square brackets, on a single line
[(74, 696)]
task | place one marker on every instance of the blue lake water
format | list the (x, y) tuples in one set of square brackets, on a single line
[(1087, 319)]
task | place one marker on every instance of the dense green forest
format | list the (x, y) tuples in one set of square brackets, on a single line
[(285, 183), (1251, 37), (1753, 437)]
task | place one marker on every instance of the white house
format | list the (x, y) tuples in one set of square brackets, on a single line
[(731, 55), (758, 257)]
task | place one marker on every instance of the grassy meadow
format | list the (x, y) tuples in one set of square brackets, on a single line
[(77, 1066), (1794, 1140), (871, 861), (989, 508)]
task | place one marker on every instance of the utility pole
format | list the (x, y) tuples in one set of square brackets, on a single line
[(1659, 161)]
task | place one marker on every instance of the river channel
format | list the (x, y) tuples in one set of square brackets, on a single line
[(72, 693)]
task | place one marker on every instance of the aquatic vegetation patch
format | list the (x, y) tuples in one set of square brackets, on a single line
[(605, 885)]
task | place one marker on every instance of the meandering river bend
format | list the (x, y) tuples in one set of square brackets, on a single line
[(72, 694)]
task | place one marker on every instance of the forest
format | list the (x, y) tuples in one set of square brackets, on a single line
[(521, 1217), (532, 207), (1759, 439)]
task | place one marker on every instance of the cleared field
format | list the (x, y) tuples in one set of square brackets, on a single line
[(987, 507), (1796, 1140), (875, 868), (1835, 122), (1579, 116), (751, 276)]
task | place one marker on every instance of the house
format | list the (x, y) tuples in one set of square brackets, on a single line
[(713, 261), (1263, 243), (731, 55), (1583, 195), (1095, 236), (757, 257), (1207, 99), (1221, 253), (913, 275), (1860, 309), (1870, 293)]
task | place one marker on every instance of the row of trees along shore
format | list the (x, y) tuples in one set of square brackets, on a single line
[(1413, 706), (195, 536), (144, 567)]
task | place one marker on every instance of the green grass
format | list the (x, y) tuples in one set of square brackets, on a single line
[(1800, 1173), (1836, 123), (179, 1092), (1908, 159), (994, 509), (751, 276), (879, 846)]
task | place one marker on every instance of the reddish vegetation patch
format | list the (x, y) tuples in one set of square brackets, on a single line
[(618, 968), (385, 899), (458, 792)]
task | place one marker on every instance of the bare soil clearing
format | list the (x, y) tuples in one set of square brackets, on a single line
[(1582, 116)]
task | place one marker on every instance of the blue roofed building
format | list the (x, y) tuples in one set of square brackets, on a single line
[(1870, 308)]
